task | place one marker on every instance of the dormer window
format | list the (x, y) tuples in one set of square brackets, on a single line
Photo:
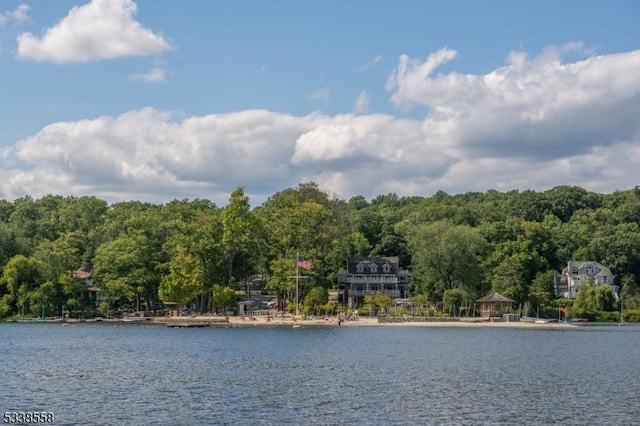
[(589, 270), (373, 267), (360, 268), (386, 268)]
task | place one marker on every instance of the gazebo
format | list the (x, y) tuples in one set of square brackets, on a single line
[(494, 304)]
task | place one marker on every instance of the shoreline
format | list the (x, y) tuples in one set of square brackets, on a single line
[(194, 321), (197, 321)]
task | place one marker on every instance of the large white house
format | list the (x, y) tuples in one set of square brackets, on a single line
[(579, 273)]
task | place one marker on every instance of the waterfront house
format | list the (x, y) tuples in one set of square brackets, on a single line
[(85, 275), (578, 273), (87, 290), (369, 275)]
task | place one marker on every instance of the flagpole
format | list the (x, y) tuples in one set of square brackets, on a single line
[(297, 278)]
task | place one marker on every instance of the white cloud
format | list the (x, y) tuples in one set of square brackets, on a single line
[(145, 154), (321, 95), (372, 63), (530, 107), (412, 75), (532, 124), (19, 15), (361, 105), (101, 29), (155, 75)]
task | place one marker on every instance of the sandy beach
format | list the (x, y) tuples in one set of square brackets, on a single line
[(205, 320)]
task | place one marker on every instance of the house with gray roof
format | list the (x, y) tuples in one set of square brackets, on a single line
[(369, 275), (579, 273)]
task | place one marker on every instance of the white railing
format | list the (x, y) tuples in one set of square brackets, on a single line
[(360, 293), (372, 278)]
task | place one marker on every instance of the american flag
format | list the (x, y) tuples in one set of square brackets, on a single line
[(304, 264)]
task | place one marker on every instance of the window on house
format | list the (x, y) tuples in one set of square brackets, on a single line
[(373, 288), (386, 267), (605, 279), (359, 288), (589, 270), (374, 268), (360, 268)]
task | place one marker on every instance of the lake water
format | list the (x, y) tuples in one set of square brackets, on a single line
[(149, 374)]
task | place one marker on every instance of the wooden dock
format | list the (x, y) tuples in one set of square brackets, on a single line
[(188, 325), (192, 322)]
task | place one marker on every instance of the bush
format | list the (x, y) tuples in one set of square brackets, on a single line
[(599, 316), (607, 316), (632, 315)]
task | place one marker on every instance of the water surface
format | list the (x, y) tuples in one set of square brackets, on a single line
[(149, 374)]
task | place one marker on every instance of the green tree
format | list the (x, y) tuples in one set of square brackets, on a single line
[(24, 222), (509, 278), (46, 299), (184, 280), (197, 226), (377, 303), (240, 236), (127, 268), (305, 220), (60, 256), (563, 201), (223, 298), (591, 299), (629, 293), (315, 297), (454, 299), (280, 278), (9, 246), (20, 277), (446, 256), (541, 292)]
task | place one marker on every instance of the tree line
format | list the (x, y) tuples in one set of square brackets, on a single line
[(457, 247)]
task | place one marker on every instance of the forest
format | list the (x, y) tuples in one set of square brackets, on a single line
[(457, 247)]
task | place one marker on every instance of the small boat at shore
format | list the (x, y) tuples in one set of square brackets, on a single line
[(546, 321), (39, 320)]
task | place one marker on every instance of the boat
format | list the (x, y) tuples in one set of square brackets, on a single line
[(39, 320), (546, 321), (28, 320)]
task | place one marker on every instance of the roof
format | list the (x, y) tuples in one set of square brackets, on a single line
[(392, 261), (83, 273), (581, 265), (494, 297)]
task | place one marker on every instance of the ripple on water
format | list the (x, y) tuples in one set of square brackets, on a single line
[(102, 374)]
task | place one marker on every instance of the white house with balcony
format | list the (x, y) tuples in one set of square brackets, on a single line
[(369, 275), (579, 273)]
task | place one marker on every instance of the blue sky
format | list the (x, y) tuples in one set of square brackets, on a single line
[(157, 99)]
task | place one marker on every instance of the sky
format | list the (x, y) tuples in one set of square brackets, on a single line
[(156, 100)]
